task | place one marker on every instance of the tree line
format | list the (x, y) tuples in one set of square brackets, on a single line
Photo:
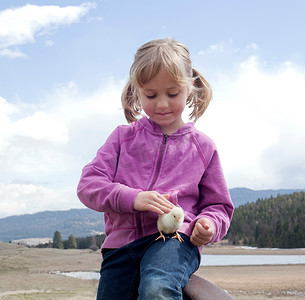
[(90, 242), (276, 222), (273, 223)]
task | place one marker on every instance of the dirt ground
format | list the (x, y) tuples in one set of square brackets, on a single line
[(30, 273)]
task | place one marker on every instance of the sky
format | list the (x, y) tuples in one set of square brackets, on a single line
[(63, 65)]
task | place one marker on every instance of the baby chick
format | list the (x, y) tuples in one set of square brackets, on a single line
[(170, 223)]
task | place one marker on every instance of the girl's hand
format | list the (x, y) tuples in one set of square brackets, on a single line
[(152, 201), (203, 232)]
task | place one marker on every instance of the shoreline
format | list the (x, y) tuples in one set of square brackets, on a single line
[(223, 248), (32, 271), (258, 282)]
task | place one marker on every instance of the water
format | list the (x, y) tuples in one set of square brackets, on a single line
[(81, 275), (218, 260), (250, 260)]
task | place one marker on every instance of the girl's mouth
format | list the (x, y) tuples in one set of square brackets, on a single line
[(163, 114)]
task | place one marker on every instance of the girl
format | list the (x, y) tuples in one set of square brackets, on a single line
[(146, 168)]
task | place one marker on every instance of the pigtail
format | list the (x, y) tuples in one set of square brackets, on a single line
[(130, 102), (200, 97)]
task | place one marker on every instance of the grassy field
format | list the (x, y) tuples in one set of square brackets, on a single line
[(29, 273)]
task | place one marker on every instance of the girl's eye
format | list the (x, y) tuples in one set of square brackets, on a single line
[(173, 95), (151, 96)]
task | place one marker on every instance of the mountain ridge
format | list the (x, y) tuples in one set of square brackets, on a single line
[(242, 195), (84, 222), (79, 222)]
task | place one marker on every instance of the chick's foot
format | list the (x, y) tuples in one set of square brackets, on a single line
[(160, 236), (178, 236)]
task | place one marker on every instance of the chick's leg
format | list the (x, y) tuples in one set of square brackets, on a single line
[(160, 236), (178, 236)]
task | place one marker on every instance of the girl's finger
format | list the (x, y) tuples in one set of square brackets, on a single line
[(196, 242), (200, 229), (163, 200), (158, 206), (154, 207)]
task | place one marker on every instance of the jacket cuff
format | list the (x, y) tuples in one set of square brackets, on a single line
[(126, 199)]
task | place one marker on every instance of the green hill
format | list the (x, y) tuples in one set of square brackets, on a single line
[(79, 222), (275, 222)]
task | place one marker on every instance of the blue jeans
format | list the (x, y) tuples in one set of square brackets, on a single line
[(147, 269)]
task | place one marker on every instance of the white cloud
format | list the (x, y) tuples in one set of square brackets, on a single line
[(41, 126), (48, 143), (33, 148), (89, 117), (223, 57), (256, 119), (228, 47), (19, 26), (252, 46), (219, 48), (49, 43), (95, 19), (12, 53), (212, 49), (69, 103), (38, 125), (19, 199)]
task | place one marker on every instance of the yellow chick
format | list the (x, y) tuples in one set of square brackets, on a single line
[(170, 223)]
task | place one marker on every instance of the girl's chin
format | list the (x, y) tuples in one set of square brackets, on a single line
[(161, 120)]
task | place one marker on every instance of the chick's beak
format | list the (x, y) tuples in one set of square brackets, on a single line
[(178, 220)]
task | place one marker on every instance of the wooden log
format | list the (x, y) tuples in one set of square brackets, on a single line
[(201, 289)]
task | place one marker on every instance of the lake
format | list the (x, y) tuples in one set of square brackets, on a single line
[(249, 260), (219, 260)]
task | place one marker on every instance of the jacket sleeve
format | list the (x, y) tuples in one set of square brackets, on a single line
[(97, 189), (215, 202)]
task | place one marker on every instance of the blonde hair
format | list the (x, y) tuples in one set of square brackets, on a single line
[(175, 58)]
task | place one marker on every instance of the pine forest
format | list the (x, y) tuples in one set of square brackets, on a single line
[(277, 222)]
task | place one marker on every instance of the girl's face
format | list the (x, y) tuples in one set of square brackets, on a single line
[(163, 101)]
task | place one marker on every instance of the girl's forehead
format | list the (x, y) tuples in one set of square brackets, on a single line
[(162, 78)]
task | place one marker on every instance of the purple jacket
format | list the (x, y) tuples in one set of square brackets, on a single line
[(139, 157)]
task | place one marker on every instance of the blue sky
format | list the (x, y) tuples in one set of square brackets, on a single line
[(63, 65)]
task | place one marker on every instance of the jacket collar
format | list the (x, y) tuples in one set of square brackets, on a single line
[(155, 129)]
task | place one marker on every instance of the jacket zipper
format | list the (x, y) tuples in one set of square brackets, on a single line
[(159, 162), (155, 178)]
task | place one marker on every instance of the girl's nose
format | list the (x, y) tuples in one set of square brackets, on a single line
[(162, 102)]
